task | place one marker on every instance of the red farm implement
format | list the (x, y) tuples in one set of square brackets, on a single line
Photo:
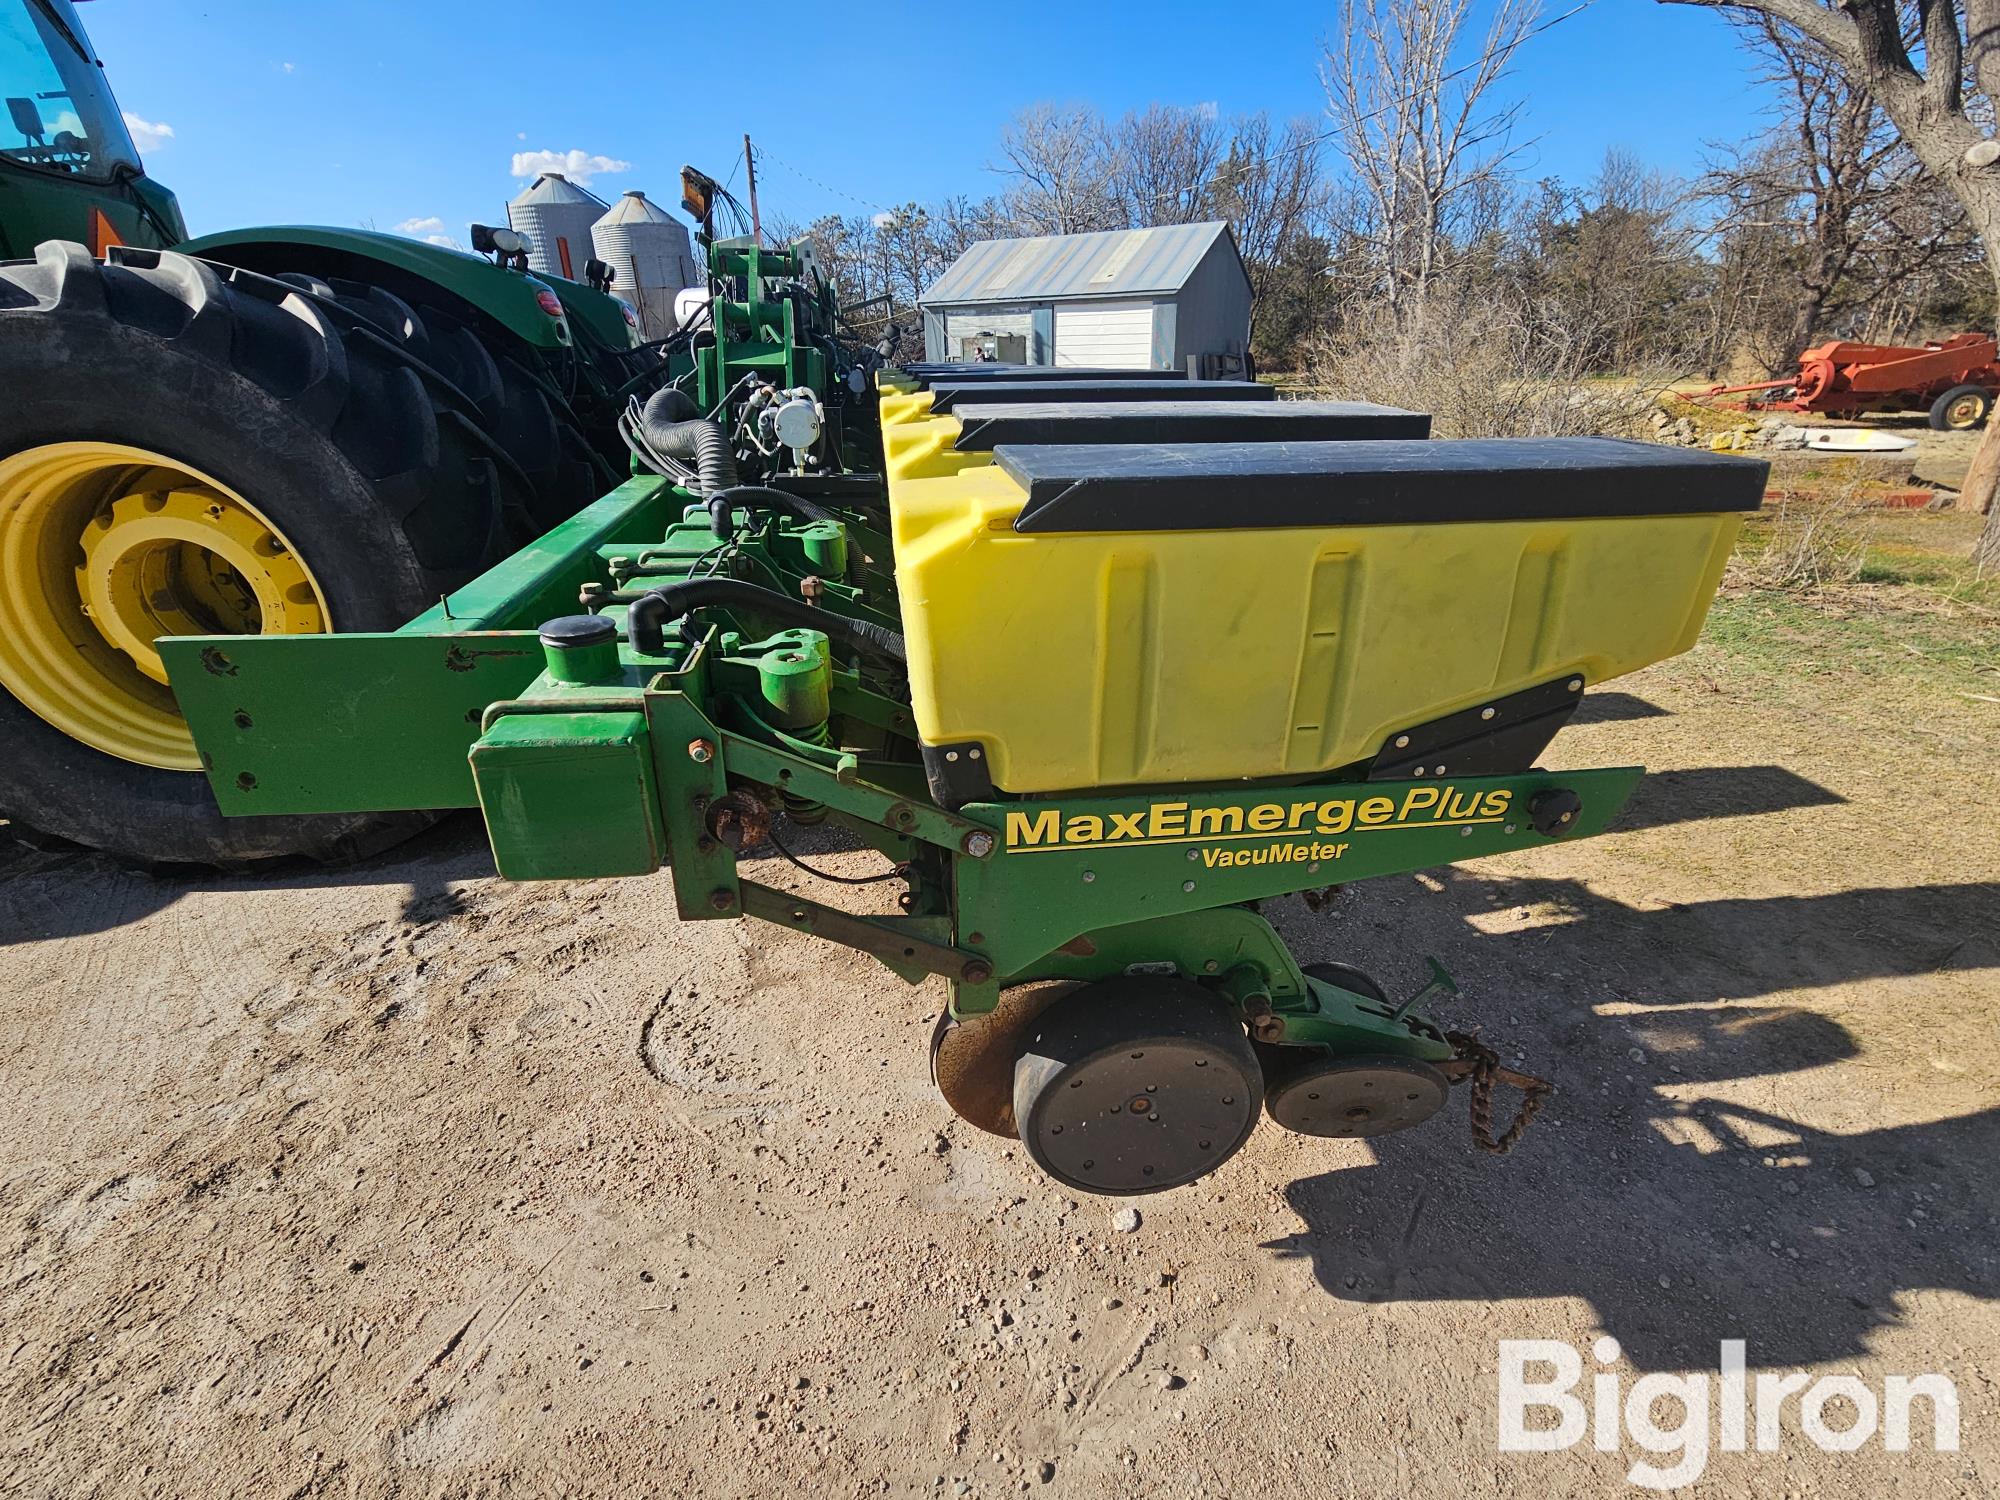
[(1954, 381)]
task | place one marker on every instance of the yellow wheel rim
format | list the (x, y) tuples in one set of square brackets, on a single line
[(105, 548), (1963, 412)]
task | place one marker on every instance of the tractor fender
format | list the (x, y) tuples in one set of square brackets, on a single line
[(519, 302)]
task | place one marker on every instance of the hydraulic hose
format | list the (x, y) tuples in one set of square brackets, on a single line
[(775, 499), (646, 620), (670, 425)]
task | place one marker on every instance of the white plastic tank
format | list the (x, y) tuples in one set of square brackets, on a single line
[(556, 215), (687, 301), (651, 258)]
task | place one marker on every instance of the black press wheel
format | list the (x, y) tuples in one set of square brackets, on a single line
[(1961, 408), (1136, 1085)]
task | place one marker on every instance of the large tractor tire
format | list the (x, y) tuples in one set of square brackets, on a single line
[(185, 450)]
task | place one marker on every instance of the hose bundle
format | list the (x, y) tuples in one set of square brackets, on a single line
[(673, 429), (646, 620)]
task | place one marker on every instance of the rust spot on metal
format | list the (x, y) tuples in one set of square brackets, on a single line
[(458, 659), (1079, 947)]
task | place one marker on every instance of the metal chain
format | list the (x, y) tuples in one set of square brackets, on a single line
[(1484, 1068)]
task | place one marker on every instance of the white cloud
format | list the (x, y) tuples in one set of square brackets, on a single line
[(146, 134), (1208, 109), (520, 135), (577, 166), (430, 229), (289, 67), (883, 220)]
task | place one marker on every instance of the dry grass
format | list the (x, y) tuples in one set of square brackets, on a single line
[(1802, 546), (1481, 368)]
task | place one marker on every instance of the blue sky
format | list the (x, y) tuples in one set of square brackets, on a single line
[(386, 114)]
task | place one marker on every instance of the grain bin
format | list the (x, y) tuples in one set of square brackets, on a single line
[(556, 215), (650, 256)]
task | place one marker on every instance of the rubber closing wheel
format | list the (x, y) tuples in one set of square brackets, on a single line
[(1354, 1096), (1136, 1085)]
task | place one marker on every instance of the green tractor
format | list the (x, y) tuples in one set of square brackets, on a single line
[(266, 431)]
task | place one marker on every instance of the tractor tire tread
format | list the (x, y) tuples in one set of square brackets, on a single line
[(239, 374)]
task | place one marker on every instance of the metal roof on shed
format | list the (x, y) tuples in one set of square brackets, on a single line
[(1112, 263)]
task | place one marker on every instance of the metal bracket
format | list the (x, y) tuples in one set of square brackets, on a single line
[(906, 944), (1440, 981), (1503, 735), (957, 773), (848, 793)]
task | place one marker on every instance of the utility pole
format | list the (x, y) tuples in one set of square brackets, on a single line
[(750, 166)]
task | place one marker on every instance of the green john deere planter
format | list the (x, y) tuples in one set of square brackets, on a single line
[(272, 431), (1093, 663)]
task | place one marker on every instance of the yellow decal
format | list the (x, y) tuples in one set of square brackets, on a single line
[(1290, 831)]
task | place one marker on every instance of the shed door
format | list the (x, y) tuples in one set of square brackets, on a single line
[(1107, 335)]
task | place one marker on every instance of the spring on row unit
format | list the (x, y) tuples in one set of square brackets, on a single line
[(803, 810)]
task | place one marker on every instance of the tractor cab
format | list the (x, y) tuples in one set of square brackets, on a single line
[(68, 167)]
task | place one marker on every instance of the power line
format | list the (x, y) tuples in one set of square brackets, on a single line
[(765, 153)]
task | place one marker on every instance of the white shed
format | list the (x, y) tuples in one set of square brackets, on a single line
[(1173, 298)]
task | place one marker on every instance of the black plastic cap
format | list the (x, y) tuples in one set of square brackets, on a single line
[(569, 632)]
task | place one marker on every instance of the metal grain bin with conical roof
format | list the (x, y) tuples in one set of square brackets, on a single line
[(556, 215), (650, 256)]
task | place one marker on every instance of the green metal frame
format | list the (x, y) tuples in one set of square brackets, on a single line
[(37, 205), (759, 333), (1003, 913)]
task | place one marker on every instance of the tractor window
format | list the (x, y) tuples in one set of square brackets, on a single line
[(60, 115)]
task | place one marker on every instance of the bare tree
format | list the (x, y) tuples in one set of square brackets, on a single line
[(960, 222), (1749, 307), (1062, 167), (1836, 174), (1268, 187), (1165, 158), (1420, 127), (1934, 67)]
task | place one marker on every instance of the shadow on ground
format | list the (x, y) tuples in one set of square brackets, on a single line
[(52, 890), (1682, 1221), (1601, 707), (1667, 797), (1748, 1226)]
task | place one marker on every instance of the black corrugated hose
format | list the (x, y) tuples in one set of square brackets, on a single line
[(671, 424)]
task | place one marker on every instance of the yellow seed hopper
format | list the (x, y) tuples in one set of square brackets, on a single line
[(1097, 614)]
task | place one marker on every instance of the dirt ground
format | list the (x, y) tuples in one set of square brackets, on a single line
[(404, 1181)]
